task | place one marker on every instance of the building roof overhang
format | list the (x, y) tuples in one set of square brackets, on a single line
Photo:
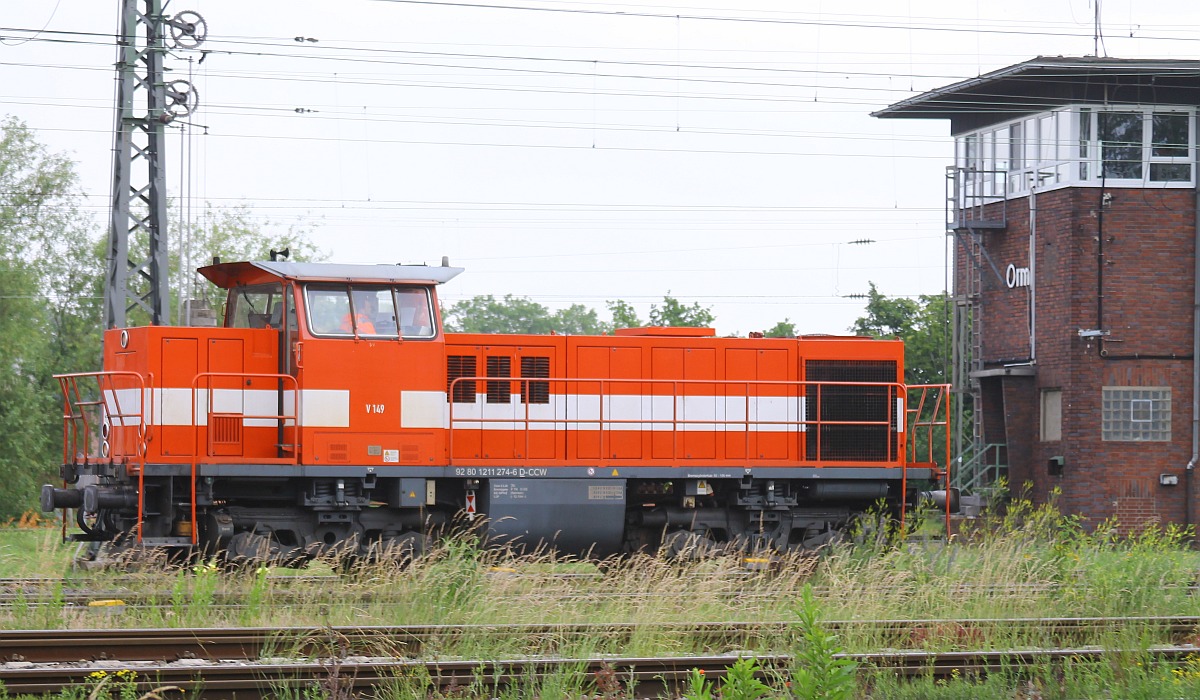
[(1048, 82), (1011, 371)]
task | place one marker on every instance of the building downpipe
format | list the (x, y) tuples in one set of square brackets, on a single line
[(1190, 469), (1033, 270)]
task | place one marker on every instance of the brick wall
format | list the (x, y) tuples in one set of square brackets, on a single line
[(1146, 302)]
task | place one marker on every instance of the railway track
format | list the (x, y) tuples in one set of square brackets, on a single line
[(137, 592), (255, 643), (648, 677)]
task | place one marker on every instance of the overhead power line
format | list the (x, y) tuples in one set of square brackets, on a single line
[(675, 16)]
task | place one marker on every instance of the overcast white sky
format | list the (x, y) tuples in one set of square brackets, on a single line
[(569, 152)]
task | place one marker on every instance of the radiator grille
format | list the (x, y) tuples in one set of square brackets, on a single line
[(535, 392), (868, 443), (460, 366), (499, 392)]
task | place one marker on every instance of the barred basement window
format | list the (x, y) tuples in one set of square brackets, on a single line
[(460, 366), (1136, 414), (499, 392), (535, 392)]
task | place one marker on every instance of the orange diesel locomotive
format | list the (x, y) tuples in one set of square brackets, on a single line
[(330, 411)]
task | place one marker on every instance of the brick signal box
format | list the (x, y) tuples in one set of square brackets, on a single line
[(1072, 207)]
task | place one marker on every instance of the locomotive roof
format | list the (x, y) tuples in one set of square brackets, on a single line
[(226, 275)]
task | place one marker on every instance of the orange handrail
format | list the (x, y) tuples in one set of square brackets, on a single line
[(247, 377), (679, 389), (929, 419), (77, 430)]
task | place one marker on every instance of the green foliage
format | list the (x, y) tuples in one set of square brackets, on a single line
[(623, 315), (116, 685), (257, 596), (698, 687), (819, 674), (458, 573), (231, 234), (513, 314), (487, 314), (742, 682), (52, 270), (674, 313), (49, 307), (205, 578), (782, 329), (26, 552), (924, 326)]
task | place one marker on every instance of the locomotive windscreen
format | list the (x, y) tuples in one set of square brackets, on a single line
[(869, 443)]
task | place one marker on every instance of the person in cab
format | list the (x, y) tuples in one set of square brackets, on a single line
[(363, 316)]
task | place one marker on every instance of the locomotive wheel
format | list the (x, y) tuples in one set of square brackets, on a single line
[(247, 549), (684, 545), (814, 540), (401, 549)]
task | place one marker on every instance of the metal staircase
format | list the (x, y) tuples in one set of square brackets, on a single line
[(980, 466), (976, 202)]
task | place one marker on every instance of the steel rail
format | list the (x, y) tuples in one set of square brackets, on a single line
[(253, 643), (29, 593), (650, 675)]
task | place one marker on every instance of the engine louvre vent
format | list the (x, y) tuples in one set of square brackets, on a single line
[(339, 452), (458, 366), (867, 443), (499, 392), (225, 434), (535, 392)]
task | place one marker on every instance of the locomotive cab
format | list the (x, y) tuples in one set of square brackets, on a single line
[(358, 341), (280, 430)]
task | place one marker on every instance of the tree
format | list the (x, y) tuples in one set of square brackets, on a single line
[(886, 317), (52, 270), (623, 314), (782, 329), (923, 325), (231, 234), (49, 307), (487, 314), (578, 319), (674, 313)]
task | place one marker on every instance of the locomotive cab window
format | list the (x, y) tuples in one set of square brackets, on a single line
[(369, 311), (257, 306), (416, 312)]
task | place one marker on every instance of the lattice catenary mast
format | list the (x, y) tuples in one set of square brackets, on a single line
[(137, 241)]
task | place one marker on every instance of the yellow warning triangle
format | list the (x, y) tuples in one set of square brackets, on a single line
[(412, 494), (614, 472)]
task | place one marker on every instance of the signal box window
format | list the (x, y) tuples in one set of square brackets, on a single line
[(259, 306)]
